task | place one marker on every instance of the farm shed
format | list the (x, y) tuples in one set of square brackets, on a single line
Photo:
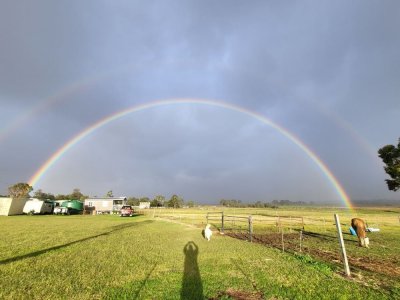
[(10, 206), (105, 205)]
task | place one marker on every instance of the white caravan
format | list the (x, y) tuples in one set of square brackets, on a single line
[(36, 206)]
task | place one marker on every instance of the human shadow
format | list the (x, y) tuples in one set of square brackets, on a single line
[(40, 252), (192, 286)]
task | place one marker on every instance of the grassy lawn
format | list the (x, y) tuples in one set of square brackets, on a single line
[(108, 257)]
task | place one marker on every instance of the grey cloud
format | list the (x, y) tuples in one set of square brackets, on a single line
[(314, 68)]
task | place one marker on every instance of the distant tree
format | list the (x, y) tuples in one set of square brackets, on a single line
[(20, 190), (110, 194), (158, 201), (390, 155), (190, 203), (50, 196), (224, 202), (175, 201), (231, 203), (61, 197), (276, 203), (133, 201), (77, 195), (258, 204), (39, 194)]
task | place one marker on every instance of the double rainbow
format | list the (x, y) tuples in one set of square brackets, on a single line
[(33, 181)]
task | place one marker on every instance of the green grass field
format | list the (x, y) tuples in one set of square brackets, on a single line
[(152, 257)]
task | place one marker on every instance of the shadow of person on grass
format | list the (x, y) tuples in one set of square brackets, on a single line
[(192, 287), (112, 230)]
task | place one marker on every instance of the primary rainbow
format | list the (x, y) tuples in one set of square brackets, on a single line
[(84, 133)]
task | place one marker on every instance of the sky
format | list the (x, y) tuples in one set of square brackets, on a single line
[(326, 72)]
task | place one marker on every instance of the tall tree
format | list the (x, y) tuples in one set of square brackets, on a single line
[(77, 195), (175, 201), (133, 201), (110, 194), (158, 201), (20, 190), (390, 155)]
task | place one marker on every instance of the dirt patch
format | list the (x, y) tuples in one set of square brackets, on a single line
[(291, 244), (291, 240), (388, 267), (238, 295)]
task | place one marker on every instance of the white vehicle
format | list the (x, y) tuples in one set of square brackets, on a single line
[(36, 206), (60, 210)]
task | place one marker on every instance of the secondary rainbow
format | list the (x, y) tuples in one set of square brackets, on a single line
[(92, 128)]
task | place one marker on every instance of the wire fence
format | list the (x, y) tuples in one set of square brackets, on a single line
[(310, 238)]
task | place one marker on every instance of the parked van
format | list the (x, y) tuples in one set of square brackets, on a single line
[(36, 206)]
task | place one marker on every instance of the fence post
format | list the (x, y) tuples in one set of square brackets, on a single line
[(301, 237), (222, 223), (341, 242), (278, 223), (251, 228)]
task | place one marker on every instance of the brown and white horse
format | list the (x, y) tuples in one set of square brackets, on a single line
[(361, 230)]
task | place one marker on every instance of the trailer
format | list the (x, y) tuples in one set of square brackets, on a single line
[(38, 207)]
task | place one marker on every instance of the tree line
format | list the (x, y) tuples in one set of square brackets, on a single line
[(260, 204), (161, 201), (23, 190)]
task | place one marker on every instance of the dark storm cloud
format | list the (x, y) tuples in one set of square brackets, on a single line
[(41, 47), (327, 71)]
